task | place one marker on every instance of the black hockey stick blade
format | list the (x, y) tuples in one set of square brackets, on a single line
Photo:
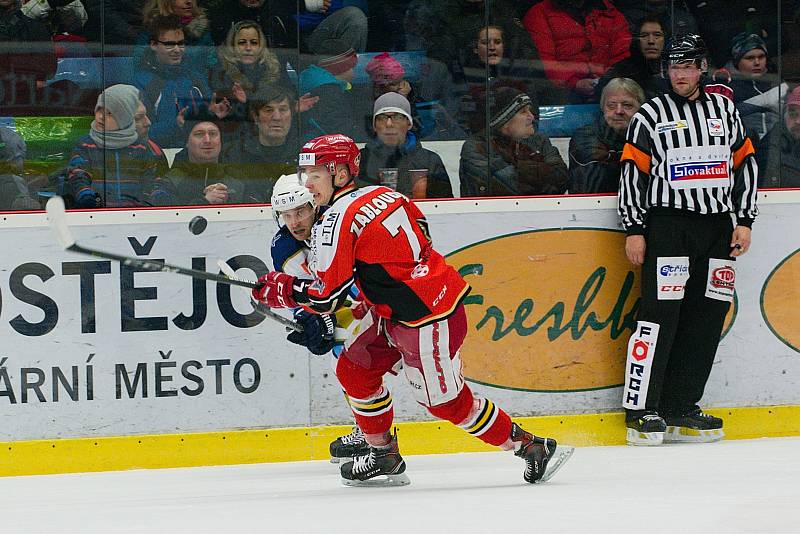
[(58, 224), (259, 307)]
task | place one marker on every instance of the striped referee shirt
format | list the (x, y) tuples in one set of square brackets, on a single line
[(688, 155)]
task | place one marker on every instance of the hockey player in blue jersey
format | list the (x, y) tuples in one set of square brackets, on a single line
[(295, 212)]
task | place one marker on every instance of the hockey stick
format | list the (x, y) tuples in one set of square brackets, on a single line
[(260, 307), (56, 215)]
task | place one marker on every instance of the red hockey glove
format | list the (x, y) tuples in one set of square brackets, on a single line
[(276, 290)]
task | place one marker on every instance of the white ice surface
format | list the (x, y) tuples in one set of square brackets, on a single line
[(727, 487)]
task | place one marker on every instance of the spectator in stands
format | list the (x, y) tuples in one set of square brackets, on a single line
[(27, 59), (323, 20), (413, 170), (330, 80), (595, 149), (197, 175), (275, 17), (142, 124), (200, 53), (110, 167), (674, 15), (319, 21), (168, 85), (460, 20), (511, 158), (578, 40), (246, 65), (644, 64), (778, 156), (269, 147), (756, 92), (721, 20), (64, 18), (492, 63), (14, 192), (431, 102), (117, 22)]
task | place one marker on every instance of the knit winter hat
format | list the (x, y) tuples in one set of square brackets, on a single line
[(794, 97), (337, 56), (383, 69), (742, 43), (121, 101), (195, 116), (391, 103), (504, 103)]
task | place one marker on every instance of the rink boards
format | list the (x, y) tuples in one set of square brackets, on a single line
[(102, 367)]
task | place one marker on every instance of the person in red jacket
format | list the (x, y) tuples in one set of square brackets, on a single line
[(578, 40), (377, 239)]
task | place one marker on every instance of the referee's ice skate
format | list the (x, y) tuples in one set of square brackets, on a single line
[(645, 427), (378, 467), (694, 426)]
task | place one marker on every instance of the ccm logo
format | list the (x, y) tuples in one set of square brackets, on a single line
[(440, 296), (640, 350), (672, 289)]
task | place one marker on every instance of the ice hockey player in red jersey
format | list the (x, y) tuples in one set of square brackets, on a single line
[(377, 239)]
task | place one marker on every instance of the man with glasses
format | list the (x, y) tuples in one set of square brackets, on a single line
[(169, 86), (397, 153), (688, 172)]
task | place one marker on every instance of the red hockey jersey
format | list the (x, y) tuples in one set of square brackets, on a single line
[(376, 238)]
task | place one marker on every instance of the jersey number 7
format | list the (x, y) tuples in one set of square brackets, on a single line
[(398, 222)]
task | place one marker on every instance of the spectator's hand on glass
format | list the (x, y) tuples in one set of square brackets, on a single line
[(238, 93), (216, 193), (634, 249), (586, 86), (326, 4), (220, 108), (306, 102), (181, 118)]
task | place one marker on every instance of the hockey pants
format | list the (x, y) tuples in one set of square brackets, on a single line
[(432, 367)]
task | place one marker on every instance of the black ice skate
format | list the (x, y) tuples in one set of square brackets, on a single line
[(695, 426), (645, 427), (378, 467), (349, 446), (543, 456)]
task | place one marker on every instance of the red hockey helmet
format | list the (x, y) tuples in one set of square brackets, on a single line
[(329, 150)]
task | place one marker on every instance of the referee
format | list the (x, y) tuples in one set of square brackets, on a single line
[(688, 171)]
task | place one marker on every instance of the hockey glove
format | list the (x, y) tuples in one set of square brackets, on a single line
[(318, 332), (276, 290)]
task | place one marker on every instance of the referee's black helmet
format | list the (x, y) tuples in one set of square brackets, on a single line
[(688, 48)]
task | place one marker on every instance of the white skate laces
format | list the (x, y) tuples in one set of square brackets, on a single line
[(364, 464)]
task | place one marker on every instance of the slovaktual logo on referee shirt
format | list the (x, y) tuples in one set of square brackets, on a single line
[(692, 168)]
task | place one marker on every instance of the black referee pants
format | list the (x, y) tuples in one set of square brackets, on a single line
[(687, 289)]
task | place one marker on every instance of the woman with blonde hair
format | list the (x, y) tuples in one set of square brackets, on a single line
[(247, 65), (200, 49)]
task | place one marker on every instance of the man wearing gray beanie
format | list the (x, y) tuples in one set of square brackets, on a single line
[(396, 158), (111, 167)]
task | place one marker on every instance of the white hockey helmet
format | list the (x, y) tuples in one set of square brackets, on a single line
[(289, 193)]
